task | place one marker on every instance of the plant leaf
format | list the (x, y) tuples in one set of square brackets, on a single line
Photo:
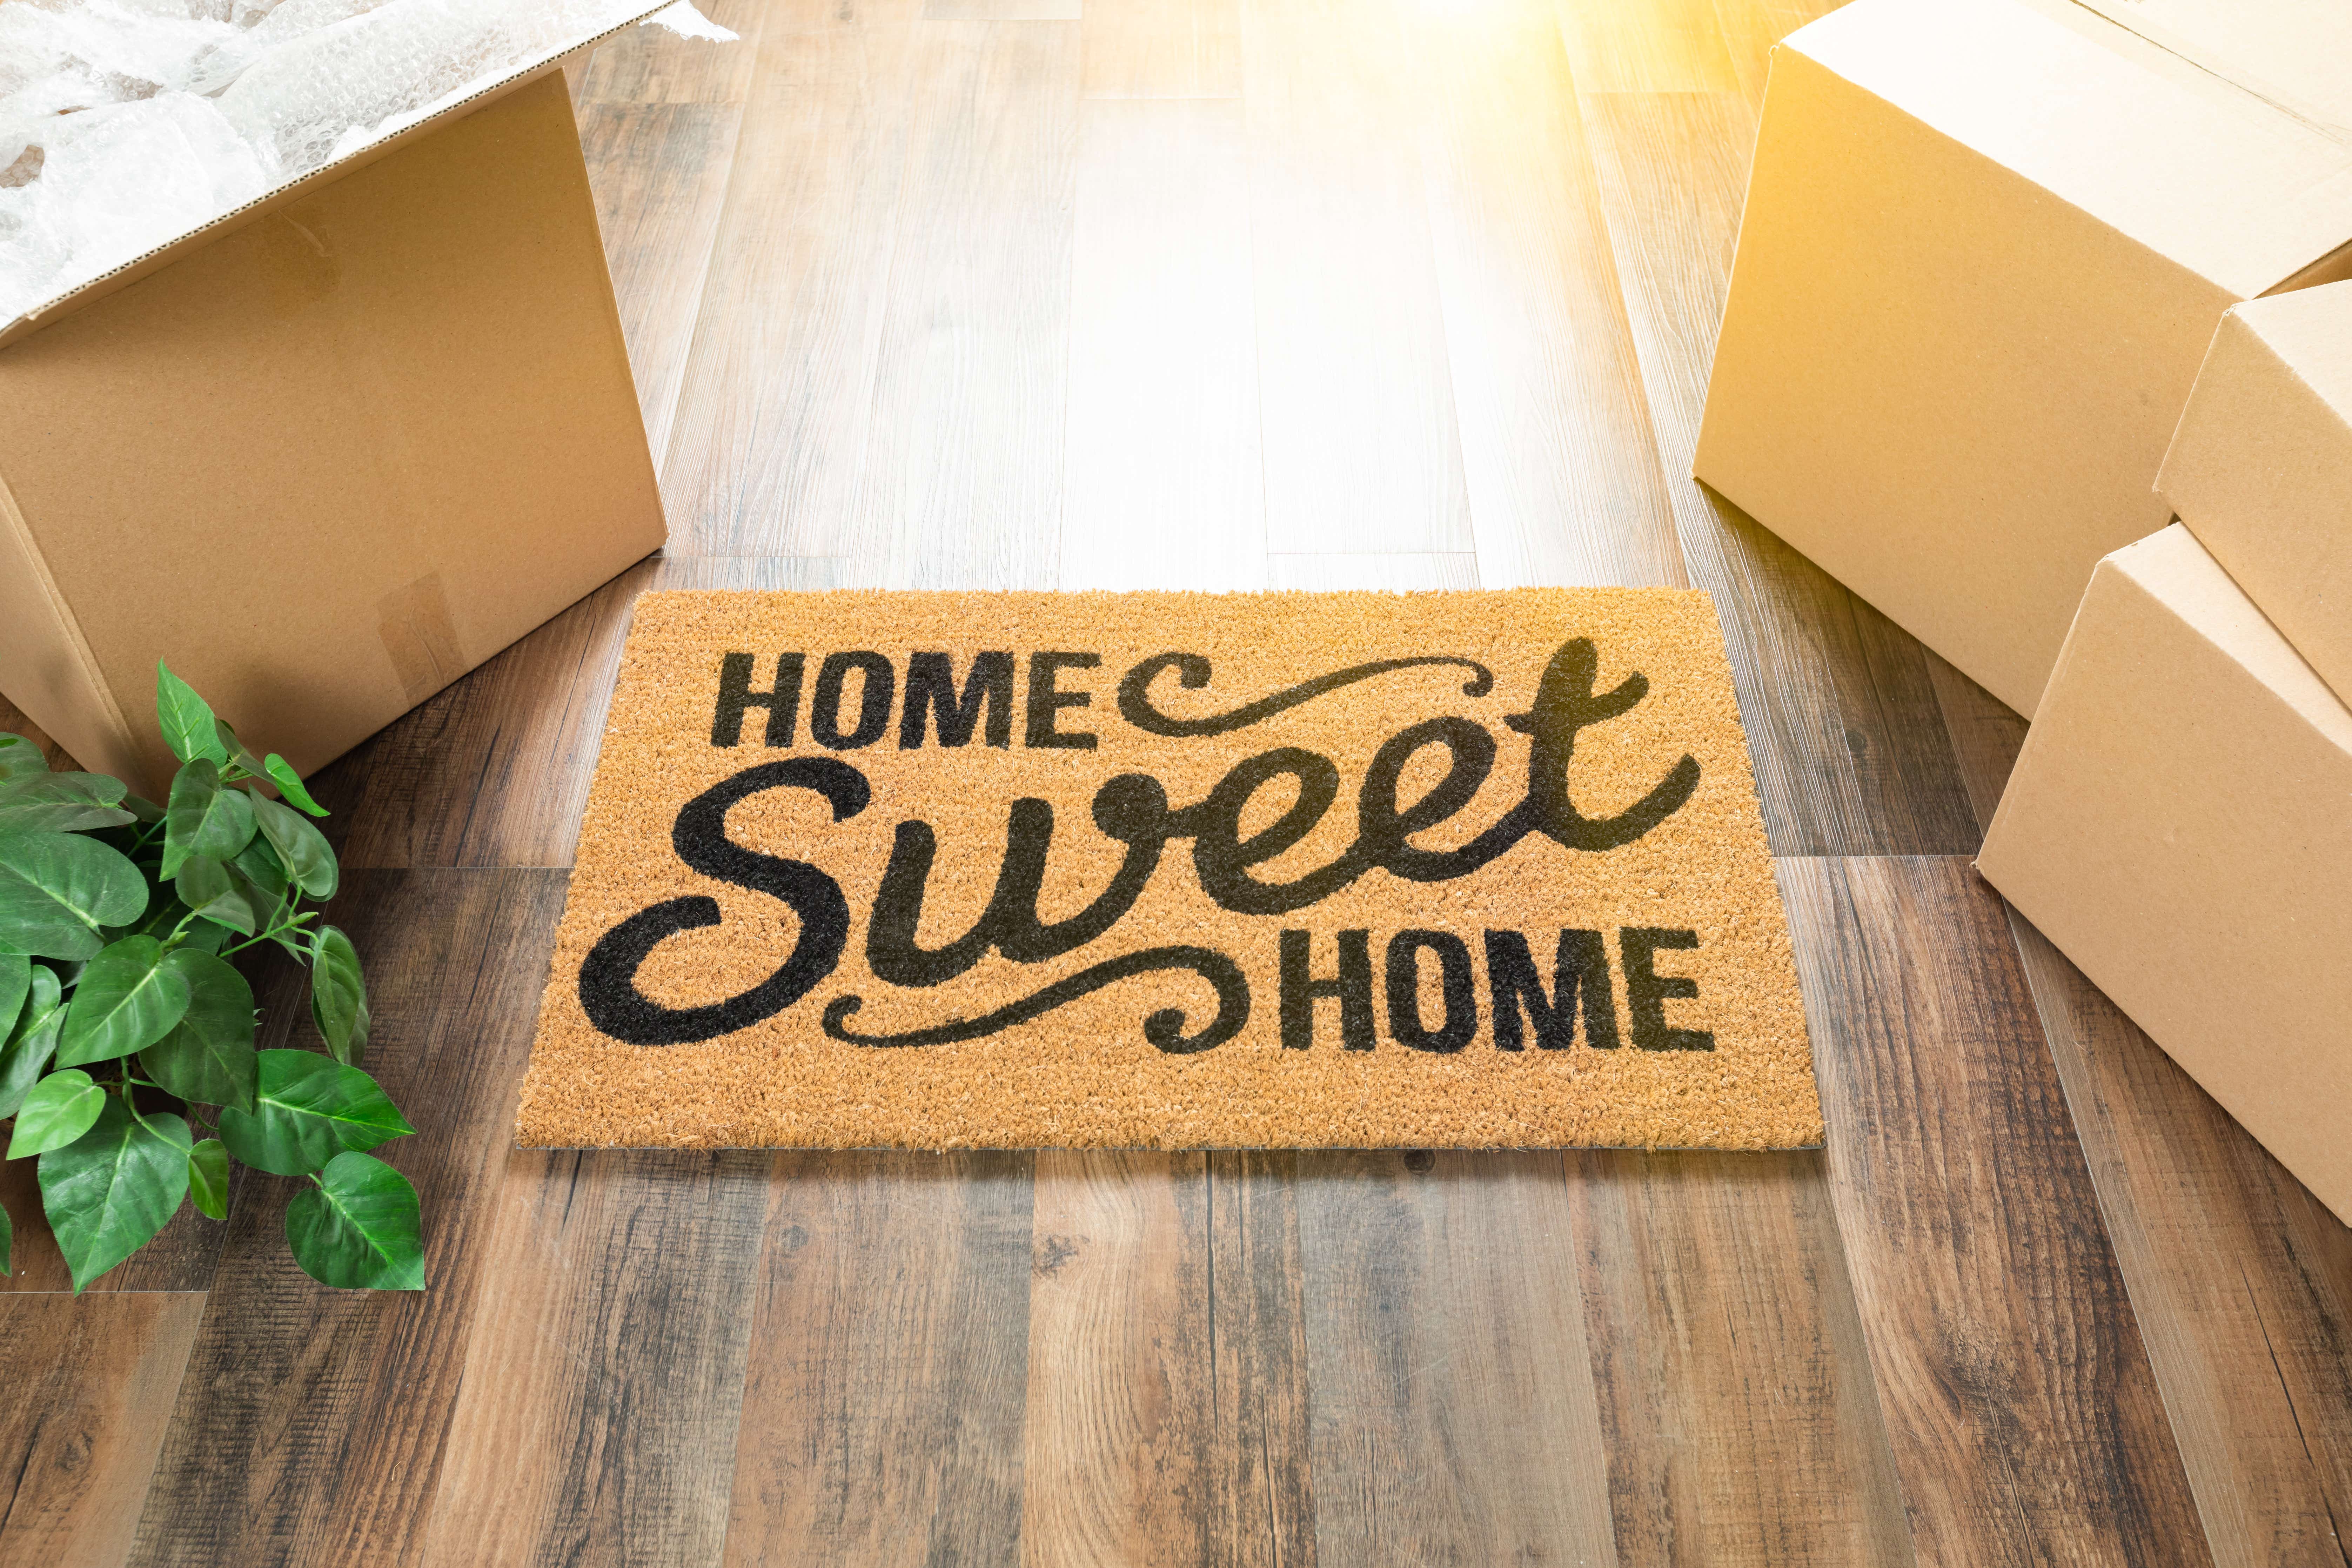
[(16, 984), (61, 802), (60, 1108), (60, 890), (141, 809), (208, 1178), (205, 817), (208, 1057), (109, 1192), (339, 995), (205, 886), (128, 998), (33, 1041), (233, 752), (290, 784), (19, 756), (358, 1228), (310, 1108), (186, 719), (301, 848), (259, 863)]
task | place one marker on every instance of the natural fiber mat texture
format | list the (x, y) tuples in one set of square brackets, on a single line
[(1167, 870)]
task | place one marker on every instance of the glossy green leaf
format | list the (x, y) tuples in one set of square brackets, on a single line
[(61, 802), (19, 756), (16, 984), (208, 1057), (206, 886), (109, 1192), (339, 995), (309, 1110), (186, 719), (205, 817), (129, 998), (259, 864), (232, 750), (208, 1178), (357, 1228), (141, 809), (58, 891), (33, 1041), (60, 1109), (290, 784), (301, 848)]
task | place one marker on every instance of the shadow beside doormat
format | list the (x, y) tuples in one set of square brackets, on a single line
[(1168, 871)]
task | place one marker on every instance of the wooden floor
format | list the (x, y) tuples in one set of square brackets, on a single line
[(1226, 293)]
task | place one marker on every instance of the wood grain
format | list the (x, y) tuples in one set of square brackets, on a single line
[(1454, 1418), (311, 1424), (1361, 451), (2024, 1416), (1167, 1411), (1734, 1381), (1557, 453), (1162, 481), (595, 1420), (882, 1418), (1397, 573), (1161, 48), (1662, 46), (90, 1387), (494, 770), (1851, 757), (2242, 1281), (1751, 27), (1986, 735)]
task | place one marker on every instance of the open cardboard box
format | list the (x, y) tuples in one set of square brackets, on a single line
[(2261, 468), (2179, 824), (329, 451), (1984, 250)]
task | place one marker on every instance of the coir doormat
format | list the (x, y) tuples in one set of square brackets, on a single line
[(1454, 869)]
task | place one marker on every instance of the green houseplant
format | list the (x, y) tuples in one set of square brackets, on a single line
[(125, 1029)]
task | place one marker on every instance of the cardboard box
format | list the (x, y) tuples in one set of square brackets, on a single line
[(2261, 468), (1984, 248), (327, 453), (2179, 824)]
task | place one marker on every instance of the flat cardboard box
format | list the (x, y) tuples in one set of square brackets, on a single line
[(2261, 468), (1984, 248), (2179, 824), (329, 452)]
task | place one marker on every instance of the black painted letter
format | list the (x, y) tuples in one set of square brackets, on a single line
[(1044, 701), (873, 696), (1647, 990), (1353, 987), (1581, 973), (1460, 991), (930, 687), (781, 700)]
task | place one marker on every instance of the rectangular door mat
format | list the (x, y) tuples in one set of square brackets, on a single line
[(1170, 871)]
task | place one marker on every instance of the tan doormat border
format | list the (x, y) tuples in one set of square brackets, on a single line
[(1172, 870)]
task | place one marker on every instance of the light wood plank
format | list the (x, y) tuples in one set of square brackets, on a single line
[(767, 446), (90, 1387), (2242, 1281), (2024, 1416), (1734, 1380), (1654, 46), (647, 64), (1556, 446), (494, 770), (595, 1421), (1361, 451), (1396, 572), (1162, 481), (1750, 28), (963, 468), (883, 1409), (1850, 750), (1162, 49), (1000, 10), (311, 1425), (1454, 1417)]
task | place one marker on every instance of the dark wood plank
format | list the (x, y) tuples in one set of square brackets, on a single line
[(91, 1386), (1454, 1407), (1986, 735), (2025, 1419), (494, 770), (595, 1421), (12, 721), (882, 1413), (1734, 1381), (181, 1256), (2241, 1279), (1850, 751), (312, 1423), (1167, 1413)]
